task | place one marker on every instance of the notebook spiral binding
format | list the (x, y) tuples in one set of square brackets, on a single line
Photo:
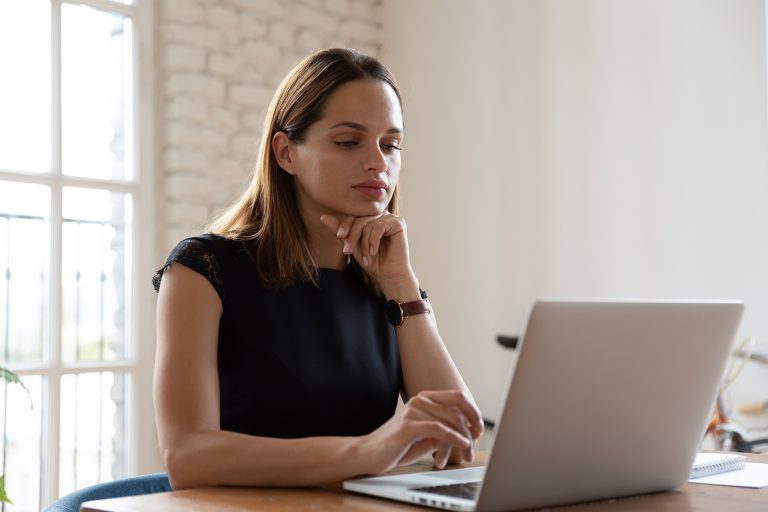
[(718, 466)]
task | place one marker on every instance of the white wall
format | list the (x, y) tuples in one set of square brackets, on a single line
[(582, 148)]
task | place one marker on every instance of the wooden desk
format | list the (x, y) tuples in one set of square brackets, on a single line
[(690, 497)]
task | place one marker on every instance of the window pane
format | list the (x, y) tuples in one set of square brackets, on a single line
[(96, 274), (21, 450), (25, 89), (93, 429), (96, 78), (24, 235)]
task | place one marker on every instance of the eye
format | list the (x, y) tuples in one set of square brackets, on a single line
[(391, 147), (347, 144)]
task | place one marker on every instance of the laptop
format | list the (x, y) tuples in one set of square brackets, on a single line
[(608, 398)]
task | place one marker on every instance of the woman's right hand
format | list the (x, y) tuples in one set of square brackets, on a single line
[(432, 422)]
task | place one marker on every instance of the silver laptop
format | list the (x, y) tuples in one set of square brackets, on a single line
[(608, 399)]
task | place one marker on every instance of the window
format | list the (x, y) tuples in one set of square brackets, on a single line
[(72, 202)]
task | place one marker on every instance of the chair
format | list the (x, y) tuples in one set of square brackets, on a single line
[(144, 484)]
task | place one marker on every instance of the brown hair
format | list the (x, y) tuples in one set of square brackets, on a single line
[(267, 212)]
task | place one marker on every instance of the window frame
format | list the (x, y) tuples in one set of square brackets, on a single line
[(140, 442)]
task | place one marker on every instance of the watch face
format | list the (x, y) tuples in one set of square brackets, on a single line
[(394, 313)]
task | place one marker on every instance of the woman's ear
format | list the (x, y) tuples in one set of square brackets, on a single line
[(282, 147)]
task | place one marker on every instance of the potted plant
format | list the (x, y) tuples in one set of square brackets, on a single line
[(10, 377)]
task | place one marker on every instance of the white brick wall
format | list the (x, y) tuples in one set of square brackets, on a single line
[(219, 63)]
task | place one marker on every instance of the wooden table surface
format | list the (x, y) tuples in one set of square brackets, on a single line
[(690, 497)]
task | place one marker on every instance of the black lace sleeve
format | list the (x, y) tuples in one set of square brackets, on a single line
[(194, 254)]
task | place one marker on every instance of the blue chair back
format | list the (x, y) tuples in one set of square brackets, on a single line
[(144, 484)]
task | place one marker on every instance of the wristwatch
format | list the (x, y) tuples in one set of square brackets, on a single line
[(399, 311)]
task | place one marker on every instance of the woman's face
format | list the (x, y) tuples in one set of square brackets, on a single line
[(349, 160)]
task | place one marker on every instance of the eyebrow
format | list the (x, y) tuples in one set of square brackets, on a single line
[(361, 127)]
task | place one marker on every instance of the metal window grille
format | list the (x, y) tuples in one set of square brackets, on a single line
[(70, 191)]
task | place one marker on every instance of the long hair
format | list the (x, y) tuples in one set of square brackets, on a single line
[(267, 212)]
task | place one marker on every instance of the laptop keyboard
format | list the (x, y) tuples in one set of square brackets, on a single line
[(466, 490)]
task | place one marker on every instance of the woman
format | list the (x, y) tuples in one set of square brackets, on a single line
[(276, 363)]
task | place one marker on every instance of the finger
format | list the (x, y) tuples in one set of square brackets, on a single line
[(468, 453), (355, 232), (421, 406), (446, 412), (343, 233), (344, 225), (331, 221), (418, 451), (463, 402), (393, 226), (365, 246), (421, 437), (461, 456), (374, 238), (440, 457), (421, 429)]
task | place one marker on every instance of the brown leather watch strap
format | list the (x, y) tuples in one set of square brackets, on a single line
[(417, 307)]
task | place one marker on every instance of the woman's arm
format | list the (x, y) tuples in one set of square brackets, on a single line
[(427, 364), (380, 244), (198, 453), (425, 360)]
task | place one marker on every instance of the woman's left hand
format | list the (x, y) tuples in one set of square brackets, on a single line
[(379, 244)]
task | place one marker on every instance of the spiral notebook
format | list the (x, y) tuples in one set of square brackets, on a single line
[(707, 464)]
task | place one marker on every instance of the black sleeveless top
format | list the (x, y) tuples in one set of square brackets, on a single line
[(298, 362)]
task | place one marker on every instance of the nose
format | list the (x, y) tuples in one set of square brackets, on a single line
[(376, 160)]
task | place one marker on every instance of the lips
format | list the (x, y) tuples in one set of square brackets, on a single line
[(372, 188), (373, 184)]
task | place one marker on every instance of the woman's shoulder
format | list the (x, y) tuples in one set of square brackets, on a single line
[(213, 241), (211, 246), (206, 254)]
